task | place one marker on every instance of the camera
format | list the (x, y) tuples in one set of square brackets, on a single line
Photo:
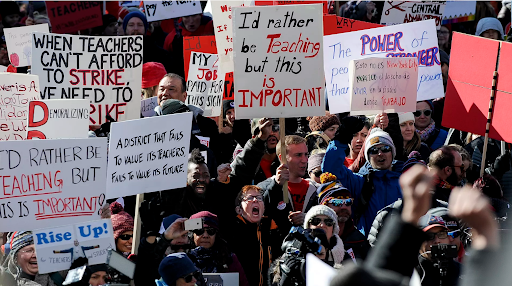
[(441, 255)]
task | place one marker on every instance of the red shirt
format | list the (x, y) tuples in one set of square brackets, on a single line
[(265, 166), (298, 192), (348, 162)]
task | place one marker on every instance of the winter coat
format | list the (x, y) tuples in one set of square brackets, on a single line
[(385, 182), (431, 274), (354, 242), (437, 138)]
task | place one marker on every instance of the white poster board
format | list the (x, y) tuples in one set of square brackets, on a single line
[(107, 71), (16, 91), (222, 279), (161, 10), (147, 106), (148, 155), (58, 118), (205, 86), (19, 43), (57, 247), (399, 12), (458, 9), (51, 182), (418, 40), (277, 52), (383, 85)]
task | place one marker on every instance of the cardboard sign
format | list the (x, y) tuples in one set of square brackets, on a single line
[(325, 7), (418, 40), (107, 71), (147, 106), (148, 155), (276, 50), (335, 25), (58, 118), (203, 44), (229, 87), (470, 82), (204, 83), (383, 85), (57, 247), (459, 11), (399, 12), (161, 10), (51, 182), (71, 16), (16, 91), (19, 43)]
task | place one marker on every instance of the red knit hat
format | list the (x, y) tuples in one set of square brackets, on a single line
[(322, 123), (121, 220), (152, 73)]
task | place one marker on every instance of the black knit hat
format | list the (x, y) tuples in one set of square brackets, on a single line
[(173, 106), (227, 105), (9, 8)]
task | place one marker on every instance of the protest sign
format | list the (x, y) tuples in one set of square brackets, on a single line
[(161, 10), (470, 79), (57, 247), (3, 68), (71, 16), (383, 85), (148, 155), (276, 48), (229, 87), (19, 43), (51, 182), (335, 24), (147, 106), (418, 40), (204, 85), (459, 11), (399, 12), (324, 3), (107, 71), (16, 91), (203, 44), (58, 118)]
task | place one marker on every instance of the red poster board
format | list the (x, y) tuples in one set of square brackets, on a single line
[(472, 64), (229, 87), (335, 25), (71, 16), (293, 2), (203, 44)]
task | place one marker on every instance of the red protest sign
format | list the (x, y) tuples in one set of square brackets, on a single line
[(470, 82), (229, 87), (293, 2), (335, 25), (71, 16), (203, 44)]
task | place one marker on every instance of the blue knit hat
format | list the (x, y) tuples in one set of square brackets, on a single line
[(489, 23), (167, 221), (139, 15), (19, 240), (175, 266)]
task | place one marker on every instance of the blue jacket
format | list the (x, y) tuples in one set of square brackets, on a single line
[(387, 188)]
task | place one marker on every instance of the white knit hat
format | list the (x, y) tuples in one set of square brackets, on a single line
[(378, 136), (405, 116), (322, 210)]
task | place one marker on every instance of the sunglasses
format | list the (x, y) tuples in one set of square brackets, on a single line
[(383, 149), (455, 233), (125, 236), (339, 202), (209, 231), (441, 235), (316, 221), (418, 113), (189, 277)]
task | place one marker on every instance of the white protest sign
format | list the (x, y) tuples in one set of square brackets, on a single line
[(383, 85), (399, 12), (148, 155), (107, 71), (19, 43), (459, 9), (16, 91), (147, 106), (204, 85), (277, 51), (161, 10), (51, 182), (418, 40), (58, 118), (3, 68), (57, 247)]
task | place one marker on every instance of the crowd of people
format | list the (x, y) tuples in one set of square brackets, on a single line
[(379, 198)]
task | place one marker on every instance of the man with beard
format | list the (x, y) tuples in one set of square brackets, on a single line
[(269, 162), (449, 171)]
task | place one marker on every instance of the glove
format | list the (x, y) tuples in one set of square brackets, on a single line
[(349, 126), (151, 216), (291, 266)]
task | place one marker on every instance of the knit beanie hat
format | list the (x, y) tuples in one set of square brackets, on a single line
[(19, 240), (406, 116), (152, 73), (167, 221), (330, 188), (322, 123), (9, 8), (315, 161), (378, 136), (489, 23), (209, 219), (322, 210), (414, 158), (173, 106), (175, 266), (137, 14), (227, 105), (121, 220)]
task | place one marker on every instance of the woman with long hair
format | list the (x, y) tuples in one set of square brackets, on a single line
[(411, 139)]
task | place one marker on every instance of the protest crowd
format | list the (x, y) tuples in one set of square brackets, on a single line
[(414, 191)]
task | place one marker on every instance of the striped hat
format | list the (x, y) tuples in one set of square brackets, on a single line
[(19, 240)]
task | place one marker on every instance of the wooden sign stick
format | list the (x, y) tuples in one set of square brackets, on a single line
[(488, 124), (137, 225), (282, 147)]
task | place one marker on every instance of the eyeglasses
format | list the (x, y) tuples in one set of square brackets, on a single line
[(455, 233), (441, 235), (418, 113), (209, 231), (28, 251), (189, 277), (339, 202), (316, 221), (383, 149), (251, 198), (462, 170), (125, 236)]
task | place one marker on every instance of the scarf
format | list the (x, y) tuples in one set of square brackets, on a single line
[(207, 260), (442, 183), (425, 133)]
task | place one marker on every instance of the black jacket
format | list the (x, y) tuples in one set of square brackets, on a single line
[(355, 240), (432, 277)]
